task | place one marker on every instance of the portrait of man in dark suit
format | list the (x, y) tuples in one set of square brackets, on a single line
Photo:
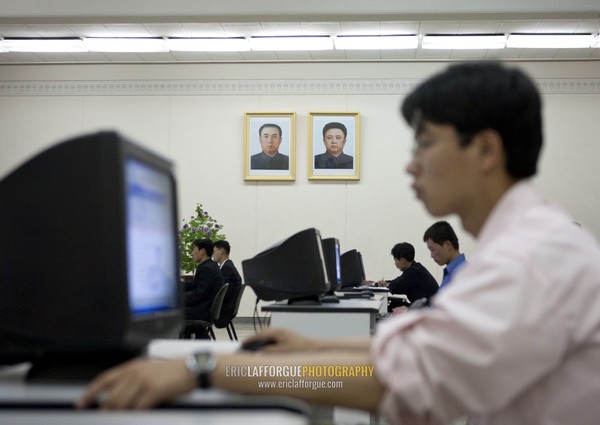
[(270, 143), (334, 152), (334, 138), (269, 158)]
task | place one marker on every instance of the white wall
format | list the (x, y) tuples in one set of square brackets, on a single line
[(202, 130)]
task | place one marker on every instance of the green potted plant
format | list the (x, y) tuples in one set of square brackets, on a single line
[(199, 226)]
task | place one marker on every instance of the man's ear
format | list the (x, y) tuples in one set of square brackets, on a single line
[(490, 149)]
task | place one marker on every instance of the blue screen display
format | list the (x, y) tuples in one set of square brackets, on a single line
[(338, 267), (151, 239)]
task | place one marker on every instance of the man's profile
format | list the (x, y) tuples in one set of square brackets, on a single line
[(334, 139), (269, 158), (442, 243)]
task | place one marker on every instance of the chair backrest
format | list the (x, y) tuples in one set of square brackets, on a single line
[(225, 319), (421, 302), (215, 309), (238, 301)]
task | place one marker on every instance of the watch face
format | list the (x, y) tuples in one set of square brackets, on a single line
[(207, 362), (202, 363), (195, 362), (202, 357)]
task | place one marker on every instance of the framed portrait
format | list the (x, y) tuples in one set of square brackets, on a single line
[(334, 146), (270, 146)]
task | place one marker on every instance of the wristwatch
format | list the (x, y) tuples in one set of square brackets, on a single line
[(202, 364)]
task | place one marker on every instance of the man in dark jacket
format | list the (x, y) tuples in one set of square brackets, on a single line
[(415, 281), (201, 291), (231, 276)]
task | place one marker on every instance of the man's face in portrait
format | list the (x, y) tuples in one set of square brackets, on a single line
[(270, 139), (334, 140)]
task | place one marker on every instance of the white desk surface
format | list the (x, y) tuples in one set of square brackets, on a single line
[(399, 296), (353, 305), (180, 347), (24, 404), (151, 417), (353, 317), (348, 318)]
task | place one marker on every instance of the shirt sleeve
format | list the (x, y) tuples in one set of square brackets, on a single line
[(478, 347)]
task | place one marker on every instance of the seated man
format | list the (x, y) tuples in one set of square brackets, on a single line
[(202, 289), (230, 275), (442, 242), (415, 281)]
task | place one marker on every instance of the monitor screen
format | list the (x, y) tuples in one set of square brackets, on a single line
[(331, 252), (362, 266), (88, 256), (150, 238), (352, 268), (293, 269)]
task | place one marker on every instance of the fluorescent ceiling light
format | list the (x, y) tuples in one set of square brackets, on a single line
[(596, 42), (464, 42), (550, 41), (126, 44), (291, 43), (43, 45), (376, 42), (237, 44)]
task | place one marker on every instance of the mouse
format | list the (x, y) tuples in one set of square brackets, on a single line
[(368, 294), (257, 344)]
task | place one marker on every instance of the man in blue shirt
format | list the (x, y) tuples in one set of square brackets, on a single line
[(442, 242)]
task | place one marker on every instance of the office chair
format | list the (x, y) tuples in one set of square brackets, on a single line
[(203, 329), (230, 328), (421, 302)]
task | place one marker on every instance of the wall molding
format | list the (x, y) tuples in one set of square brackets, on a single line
[(184, 87)]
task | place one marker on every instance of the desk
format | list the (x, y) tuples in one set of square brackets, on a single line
[(155, 417), (348, 318), (27, 404), (399, 297), (381, 294)]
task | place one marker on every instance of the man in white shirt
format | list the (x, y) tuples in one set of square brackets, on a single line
[(514, 340)]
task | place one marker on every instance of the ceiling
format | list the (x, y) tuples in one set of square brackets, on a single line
[(187, 19)]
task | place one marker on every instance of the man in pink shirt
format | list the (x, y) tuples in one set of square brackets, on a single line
[(514, 340)]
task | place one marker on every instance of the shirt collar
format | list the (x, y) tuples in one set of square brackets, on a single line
[(454, 264)]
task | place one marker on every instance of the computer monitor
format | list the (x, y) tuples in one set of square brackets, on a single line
[(293, 270), (353, 272), (88, 256), (331, 252), (362, 266)]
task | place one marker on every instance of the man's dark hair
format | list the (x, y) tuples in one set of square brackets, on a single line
[(474, 96), (404, 250), (440, 232), (205, 244), (337, 125), (223, 244), (269, 125)]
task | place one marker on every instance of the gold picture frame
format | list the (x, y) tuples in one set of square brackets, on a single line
[(334, 146), (273, 158)]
